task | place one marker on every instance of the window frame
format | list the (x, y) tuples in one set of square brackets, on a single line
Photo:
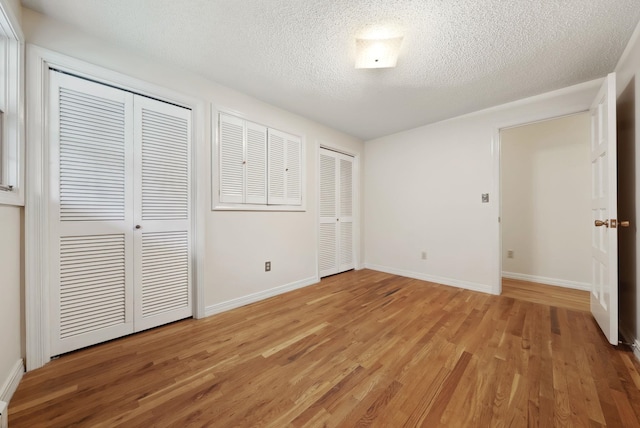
[(216, 203), (12, 150)]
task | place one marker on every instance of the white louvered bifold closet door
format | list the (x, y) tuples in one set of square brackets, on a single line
[(345, 189), (162, 189), (90, 208), (328, 261), (119, 212), (336, 213)]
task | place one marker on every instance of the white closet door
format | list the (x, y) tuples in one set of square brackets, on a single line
[(336, 213), (328, 251), (91, 212), (161, 237), (345, 189)]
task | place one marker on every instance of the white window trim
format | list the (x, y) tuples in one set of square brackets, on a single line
[(216, 204), (39, 60), (13, 127), (357, 239)]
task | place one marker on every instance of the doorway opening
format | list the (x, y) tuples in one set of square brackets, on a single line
[(545, 188)]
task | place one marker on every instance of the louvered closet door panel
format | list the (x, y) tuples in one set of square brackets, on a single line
[(231, 142), (162, 259), (328, 250), (293, 170), (346, 259), (92, 157), (165, 166), (165, 272), (90, 194), (256, 164), (276, 164)]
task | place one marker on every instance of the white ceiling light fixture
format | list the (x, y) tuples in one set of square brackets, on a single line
[(377, 53)]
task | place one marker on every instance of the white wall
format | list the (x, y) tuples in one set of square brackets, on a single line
[(545, 190), (237, 243), (10, 293), (423, 191)]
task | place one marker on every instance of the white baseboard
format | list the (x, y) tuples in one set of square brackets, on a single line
[(584, 286), (255, 297), (628, 337), (468, 285), (11, 382), (636, 349)]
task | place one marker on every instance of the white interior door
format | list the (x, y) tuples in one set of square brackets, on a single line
[(90, 208), (161, 231), (336, 213), (604, 200)]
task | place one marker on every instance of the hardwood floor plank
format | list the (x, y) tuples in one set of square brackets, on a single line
[(363, 348)]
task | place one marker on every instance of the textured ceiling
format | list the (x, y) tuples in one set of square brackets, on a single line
[(457, 56)]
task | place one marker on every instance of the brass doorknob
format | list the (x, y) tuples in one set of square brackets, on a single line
[(624, 223), (599, 223)]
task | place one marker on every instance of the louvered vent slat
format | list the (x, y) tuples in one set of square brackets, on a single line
[(160, 167), (276, 168), (92, 157), (231, 158), (164, 288), (346, 188), (85, 263), (327, 186), (328, 241)]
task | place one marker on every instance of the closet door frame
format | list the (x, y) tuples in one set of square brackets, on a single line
[(357, 252), (37, 239)]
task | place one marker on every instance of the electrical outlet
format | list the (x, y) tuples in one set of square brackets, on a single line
[(509, 254), (423, 255), (267, 266)]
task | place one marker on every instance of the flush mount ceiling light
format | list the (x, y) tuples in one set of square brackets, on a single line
[(377, 53)]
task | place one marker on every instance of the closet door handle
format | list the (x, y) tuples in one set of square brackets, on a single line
[(138, 226)]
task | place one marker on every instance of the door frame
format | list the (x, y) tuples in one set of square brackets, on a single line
[(357, 252), (499, 176), (36, 255), (577, 105)]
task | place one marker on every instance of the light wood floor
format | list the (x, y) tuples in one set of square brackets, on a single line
[(577, 300), (363, 348)]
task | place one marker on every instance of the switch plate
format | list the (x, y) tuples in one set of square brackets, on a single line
[(267, 266), (423, 255), (485, 198), (509, 254)]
